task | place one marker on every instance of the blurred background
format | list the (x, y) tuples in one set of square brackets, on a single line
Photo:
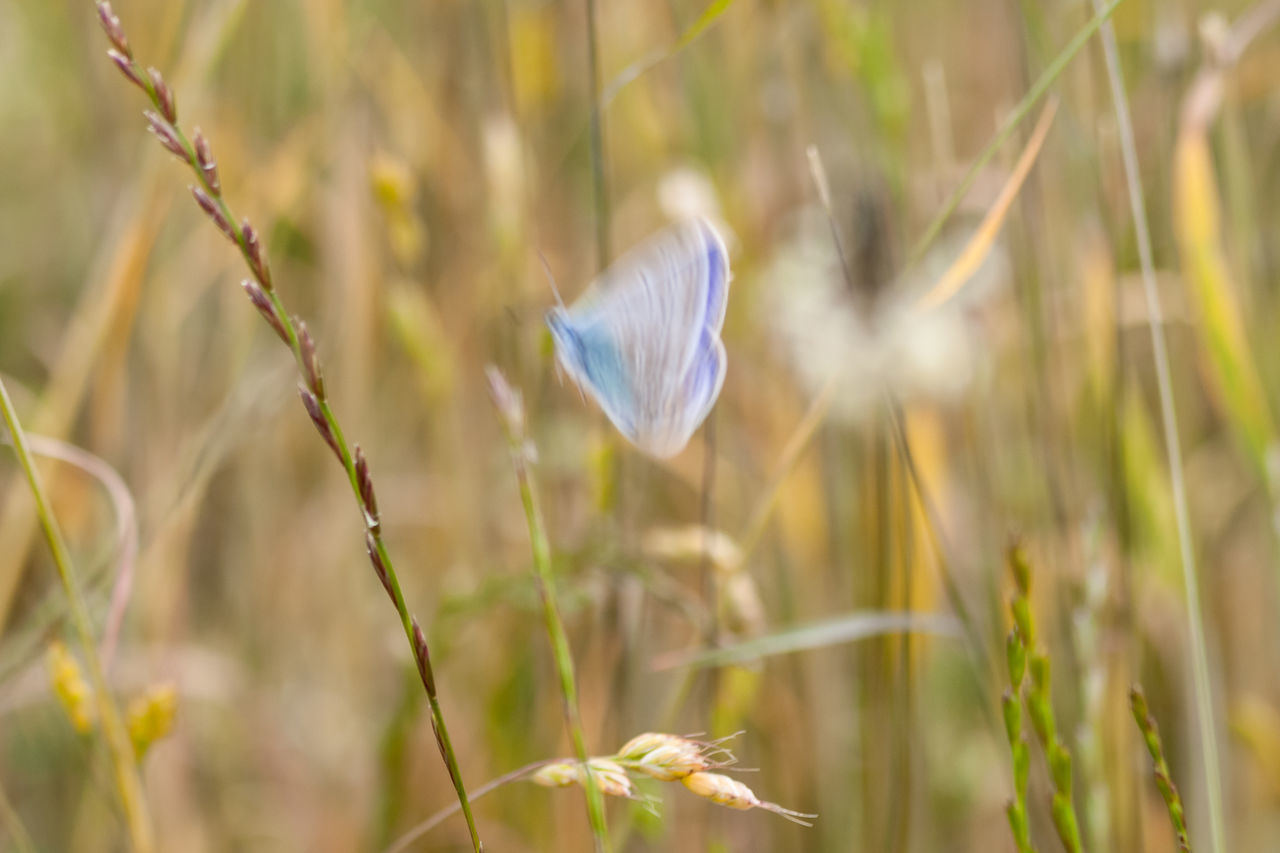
[(406, 163)]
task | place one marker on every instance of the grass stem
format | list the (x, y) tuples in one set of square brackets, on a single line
[(196, 153), (1173, 447), (124, 762), (511, 409)]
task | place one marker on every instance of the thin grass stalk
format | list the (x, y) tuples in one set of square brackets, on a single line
[(600, 188), (123, 760), (1029, 100), (511, 410), (933, 529), (1205, 716), (196, 153), (421, 829)]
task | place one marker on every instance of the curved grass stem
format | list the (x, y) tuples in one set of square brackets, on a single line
[(123, 760)]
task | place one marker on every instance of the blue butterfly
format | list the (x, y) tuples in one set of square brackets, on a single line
[(644, 339)]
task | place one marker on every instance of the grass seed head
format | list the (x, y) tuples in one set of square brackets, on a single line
[(204, 159), (164, 131), (667, 757), (165, 99), (379, 567), (423, 656), (729, 792), (367, 495), (71, 688), (125, 64), (316, 414), (310, 361), (214, 212), (257, 260), (115, 32), (263, 303), (609, 775), (150, 716)]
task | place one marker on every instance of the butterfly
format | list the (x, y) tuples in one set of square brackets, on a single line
[(644, 339)]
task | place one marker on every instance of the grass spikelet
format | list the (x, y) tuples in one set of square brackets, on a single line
[(668, 758), (729, 792), (1022, 652), (1164, 779), (69, 685), (150, 716), (608, 774)]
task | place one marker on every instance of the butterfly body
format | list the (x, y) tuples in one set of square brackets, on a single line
[(644, 340)]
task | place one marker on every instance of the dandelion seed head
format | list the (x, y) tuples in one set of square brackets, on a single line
[(889, 344)]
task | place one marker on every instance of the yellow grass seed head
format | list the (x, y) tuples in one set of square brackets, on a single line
[(722, 790), (609, 775), (150, 716), (667, 757), (727, 791), (69, 685), (557, 774)]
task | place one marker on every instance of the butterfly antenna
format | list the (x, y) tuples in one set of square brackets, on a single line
[(819, 174), (551, 279)]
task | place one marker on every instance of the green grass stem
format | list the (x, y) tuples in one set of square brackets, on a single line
[(208, 194), (1205, 716), (133, 799), (511, 409)]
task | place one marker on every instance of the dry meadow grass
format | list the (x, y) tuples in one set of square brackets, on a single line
[(825, 571)]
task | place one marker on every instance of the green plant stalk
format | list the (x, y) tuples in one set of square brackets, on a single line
[(124, 762), (551, 617), (1164, 779), (1016, 809), (1025, 657), (288, 327), (1173, 447), (1033, 96)]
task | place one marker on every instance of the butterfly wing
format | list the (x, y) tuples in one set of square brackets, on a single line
[(644, 340)]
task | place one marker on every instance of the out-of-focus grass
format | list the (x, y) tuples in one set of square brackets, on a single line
[(407, 162)]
